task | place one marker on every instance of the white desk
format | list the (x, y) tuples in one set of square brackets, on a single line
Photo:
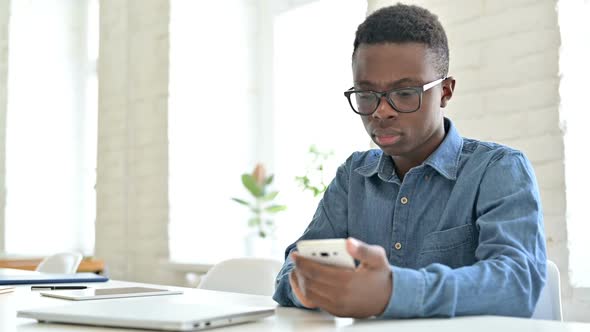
[(286, 319)]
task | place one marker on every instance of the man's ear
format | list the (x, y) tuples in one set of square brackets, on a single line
[(448, 87)]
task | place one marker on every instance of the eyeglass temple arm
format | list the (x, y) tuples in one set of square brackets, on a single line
[(431, 84)]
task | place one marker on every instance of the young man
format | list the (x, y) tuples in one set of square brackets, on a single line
[(442, 225)]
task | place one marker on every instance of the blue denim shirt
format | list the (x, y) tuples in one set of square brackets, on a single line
[(463, 231)]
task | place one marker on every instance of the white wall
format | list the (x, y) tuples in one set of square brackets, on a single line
[(4, 19), (504, 55), (132, 166)]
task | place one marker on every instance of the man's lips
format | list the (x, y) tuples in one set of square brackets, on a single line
[(386, 138)]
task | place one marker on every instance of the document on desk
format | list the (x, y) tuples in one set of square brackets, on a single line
[(21, 277), (109, 293), (4, 290)]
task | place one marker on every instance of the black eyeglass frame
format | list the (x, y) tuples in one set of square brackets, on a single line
[(419, 90)]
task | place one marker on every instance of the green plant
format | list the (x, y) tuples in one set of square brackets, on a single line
[(313, 180), (258, 184)]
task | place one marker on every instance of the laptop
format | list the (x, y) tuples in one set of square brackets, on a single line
[(147, 313)]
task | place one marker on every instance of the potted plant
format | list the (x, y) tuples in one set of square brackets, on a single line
[(261, 205), (314, 178)]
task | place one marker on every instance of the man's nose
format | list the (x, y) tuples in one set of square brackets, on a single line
[(385, 110)]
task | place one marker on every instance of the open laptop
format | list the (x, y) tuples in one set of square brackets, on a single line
[(148, 314)]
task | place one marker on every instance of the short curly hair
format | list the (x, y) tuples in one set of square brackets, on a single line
[(406, 24)]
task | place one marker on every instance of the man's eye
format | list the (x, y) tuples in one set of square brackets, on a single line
[(405, 94)]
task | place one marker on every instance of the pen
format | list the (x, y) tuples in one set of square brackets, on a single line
[(56, 287)]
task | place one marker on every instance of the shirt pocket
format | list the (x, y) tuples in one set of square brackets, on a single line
[(454, 247)]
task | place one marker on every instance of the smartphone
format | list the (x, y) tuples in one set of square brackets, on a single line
[(327, 251)]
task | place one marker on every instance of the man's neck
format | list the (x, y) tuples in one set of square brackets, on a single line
[(404, 163)]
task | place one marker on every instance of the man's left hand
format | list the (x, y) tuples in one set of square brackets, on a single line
[(359, 293)]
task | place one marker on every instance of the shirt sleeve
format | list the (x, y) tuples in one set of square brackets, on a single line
[(510, 270), (329, 222)]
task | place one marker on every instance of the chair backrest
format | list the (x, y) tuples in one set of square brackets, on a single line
[(243, 275), (549, 304), (63, 263)]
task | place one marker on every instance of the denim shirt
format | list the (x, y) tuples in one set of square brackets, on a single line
[(463, 231)]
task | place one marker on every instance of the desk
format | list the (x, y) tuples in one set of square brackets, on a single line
[(286, 319)]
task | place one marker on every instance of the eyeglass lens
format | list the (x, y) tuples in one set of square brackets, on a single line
[(404, 100)]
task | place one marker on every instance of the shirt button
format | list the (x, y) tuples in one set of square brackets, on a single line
[(404, 200), (397, 246)]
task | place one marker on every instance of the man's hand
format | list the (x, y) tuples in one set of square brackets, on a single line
[(359, 293)]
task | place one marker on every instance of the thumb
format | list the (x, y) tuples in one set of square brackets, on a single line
[(369, 255)]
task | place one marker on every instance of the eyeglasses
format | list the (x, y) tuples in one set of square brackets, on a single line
[(403, 100)]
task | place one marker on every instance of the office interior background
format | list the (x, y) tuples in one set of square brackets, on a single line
[(125, 125)]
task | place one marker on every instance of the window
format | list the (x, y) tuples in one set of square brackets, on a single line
[(211, 126), (312, 70), (575, 27), (229, 107), (51, 127)]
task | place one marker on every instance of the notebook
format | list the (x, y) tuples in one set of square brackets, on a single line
[(149, 313), (21, 277)]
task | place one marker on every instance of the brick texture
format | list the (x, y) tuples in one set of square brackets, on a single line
[(132, 165)]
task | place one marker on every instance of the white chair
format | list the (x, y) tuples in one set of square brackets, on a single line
[(243, 275), (63, 263), (549, 304)]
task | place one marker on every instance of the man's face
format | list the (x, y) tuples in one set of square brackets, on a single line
[(382, 67)]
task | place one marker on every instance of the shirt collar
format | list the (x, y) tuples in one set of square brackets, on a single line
[(445, 159), (373, 165), (382, 164)]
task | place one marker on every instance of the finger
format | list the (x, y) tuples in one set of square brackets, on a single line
[(324, 290), (333, 303), (323, 286), (298, 293), (321, 273), (368, 255), (309, 294), (320, 299)]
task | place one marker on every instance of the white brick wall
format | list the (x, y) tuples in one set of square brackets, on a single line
[(132, 166), (504, 55), (4, 18)]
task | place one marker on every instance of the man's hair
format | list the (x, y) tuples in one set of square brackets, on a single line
[(406, 24)]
